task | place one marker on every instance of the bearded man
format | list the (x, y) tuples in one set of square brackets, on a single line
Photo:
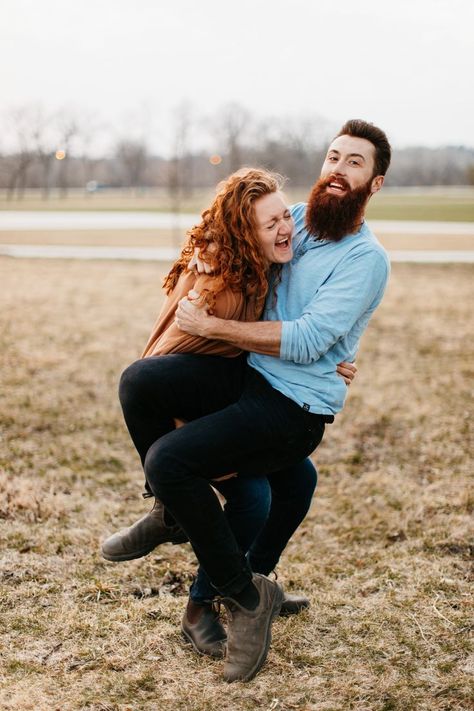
[(289, 390)]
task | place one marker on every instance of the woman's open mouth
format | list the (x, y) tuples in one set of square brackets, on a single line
[(283, 244)]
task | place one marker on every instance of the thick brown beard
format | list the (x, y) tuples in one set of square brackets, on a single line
[(332, 217)]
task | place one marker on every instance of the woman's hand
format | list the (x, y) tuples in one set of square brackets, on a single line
[(199, 265), (347, 371), (190, 317)]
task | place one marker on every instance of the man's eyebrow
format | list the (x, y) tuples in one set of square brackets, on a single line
[(351, 155)]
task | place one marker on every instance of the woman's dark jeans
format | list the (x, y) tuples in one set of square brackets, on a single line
[(236, 423), (263, 513)]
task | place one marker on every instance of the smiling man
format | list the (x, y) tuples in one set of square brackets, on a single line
[(330, 288), (332, 279)]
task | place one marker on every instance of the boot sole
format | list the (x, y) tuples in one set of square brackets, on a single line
[(276, 605), (117, 558), (127, 556), (189, 640), (294, 610)]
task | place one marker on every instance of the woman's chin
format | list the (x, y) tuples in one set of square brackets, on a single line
[(282, 256)]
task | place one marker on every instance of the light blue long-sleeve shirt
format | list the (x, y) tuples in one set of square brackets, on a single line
[(325, 299)]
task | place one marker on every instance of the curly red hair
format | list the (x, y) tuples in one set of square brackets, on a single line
[(229, 224)]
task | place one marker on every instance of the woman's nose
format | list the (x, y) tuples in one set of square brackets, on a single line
[(285, 227)]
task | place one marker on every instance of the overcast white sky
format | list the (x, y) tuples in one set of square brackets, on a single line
[(406, 65)]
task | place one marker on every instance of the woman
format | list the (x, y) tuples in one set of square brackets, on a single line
[(244, 236)]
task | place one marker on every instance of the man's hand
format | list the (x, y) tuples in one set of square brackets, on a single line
[(190, 317), (347, 371), (194, 319)]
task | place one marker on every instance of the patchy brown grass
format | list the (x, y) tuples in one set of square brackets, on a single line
[(102, 238), (385, 553)]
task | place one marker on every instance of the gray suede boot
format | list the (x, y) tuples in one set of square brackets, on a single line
[(293, 604), (202, 628), (249, 631), (141, 538)]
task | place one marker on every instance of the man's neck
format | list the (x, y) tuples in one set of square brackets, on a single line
[(358, 224)]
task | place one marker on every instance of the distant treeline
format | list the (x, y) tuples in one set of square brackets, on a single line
[(137, 169), (54, 152)]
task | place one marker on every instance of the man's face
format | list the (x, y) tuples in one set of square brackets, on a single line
[(337, 201), (351, 161)]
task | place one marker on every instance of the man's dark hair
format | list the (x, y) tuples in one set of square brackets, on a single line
[(361, 129)]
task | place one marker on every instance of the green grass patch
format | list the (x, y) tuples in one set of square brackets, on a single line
[(432, 204)]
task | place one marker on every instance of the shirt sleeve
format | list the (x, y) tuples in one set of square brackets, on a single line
[(298, 212), (353, 290)]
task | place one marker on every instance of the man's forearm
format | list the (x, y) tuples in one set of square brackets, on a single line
[(259, 336)]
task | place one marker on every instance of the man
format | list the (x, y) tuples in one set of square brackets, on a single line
[(273, 414)]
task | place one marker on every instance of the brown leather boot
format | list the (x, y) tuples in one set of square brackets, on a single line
[(201, 627), (143, 536)]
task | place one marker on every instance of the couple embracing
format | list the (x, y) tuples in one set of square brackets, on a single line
[(248, 361)]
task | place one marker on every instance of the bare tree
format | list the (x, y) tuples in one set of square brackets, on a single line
[(302, 140), (132, 156), (232, 125), (44, 133), (180, 163), (19, 127), (86, 141), (68, 129), (179, 172)]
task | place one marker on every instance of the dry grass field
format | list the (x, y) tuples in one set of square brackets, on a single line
[(385, 553)]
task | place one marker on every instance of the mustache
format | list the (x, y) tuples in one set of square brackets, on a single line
[(326, 182)]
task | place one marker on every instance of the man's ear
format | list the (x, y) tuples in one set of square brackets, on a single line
[(377, 183)]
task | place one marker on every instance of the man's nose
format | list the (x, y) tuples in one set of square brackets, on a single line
[(339, 168)]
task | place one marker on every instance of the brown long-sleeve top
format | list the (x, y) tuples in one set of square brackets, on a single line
[(166, 337)]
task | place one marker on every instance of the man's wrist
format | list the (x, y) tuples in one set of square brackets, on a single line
[(210, 327)]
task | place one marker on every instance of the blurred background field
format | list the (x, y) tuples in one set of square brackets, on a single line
[(385, 553), (445, 203), (415, 206)]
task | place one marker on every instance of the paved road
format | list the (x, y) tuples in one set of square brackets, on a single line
[(51, 221), (29, 220)]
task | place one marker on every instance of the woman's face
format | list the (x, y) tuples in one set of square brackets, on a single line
[(274, 228)]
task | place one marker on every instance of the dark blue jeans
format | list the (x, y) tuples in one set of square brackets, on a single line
[(263, 513), (236, 423)]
